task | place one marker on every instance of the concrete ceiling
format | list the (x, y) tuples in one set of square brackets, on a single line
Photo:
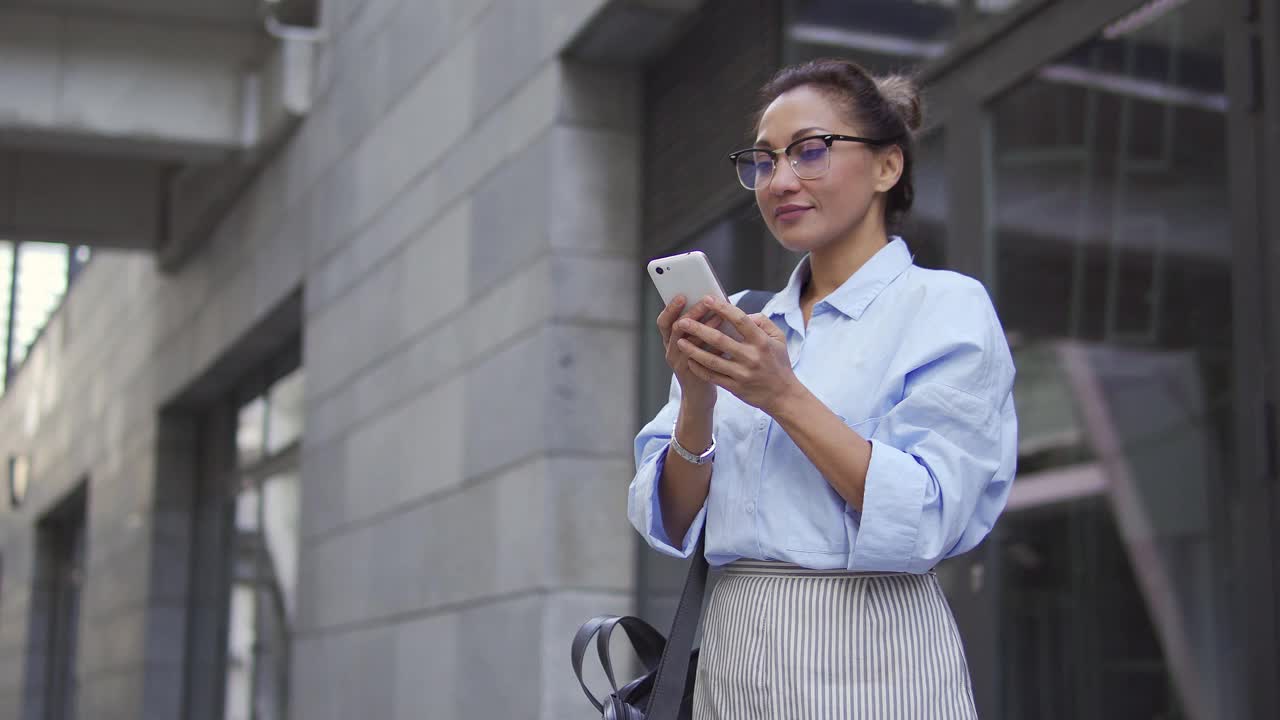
[(169, 103), (221, 12)]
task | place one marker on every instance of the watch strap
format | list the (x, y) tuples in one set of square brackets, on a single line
[(699, 459)]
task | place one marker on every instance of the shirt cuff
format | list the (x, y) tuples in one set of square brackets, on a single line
[(656, 532), (892, 507)]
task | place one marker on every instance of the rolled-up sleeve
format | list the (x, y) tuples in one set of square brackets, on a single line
[(942, 459), (644, 507)]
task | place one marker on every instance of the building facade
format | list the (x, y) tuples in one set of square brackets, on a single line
[(335, 418)]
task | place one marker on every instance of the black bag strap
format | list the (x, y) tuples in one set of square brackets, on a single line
[(646, 640), (754, 301), (668, 686), (580, 642)]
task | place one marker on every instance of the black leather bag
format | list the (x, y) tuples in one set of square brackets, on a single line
[(665, 690)]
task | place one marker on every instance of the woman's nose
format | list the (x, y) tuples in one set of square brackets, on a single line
[(784, 179)]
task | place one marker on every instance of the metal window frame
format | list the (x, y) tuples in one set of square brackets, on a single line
[(961, 86), (1252, 54)]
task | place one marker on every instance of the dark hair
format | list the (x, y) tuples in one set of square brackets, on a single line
[(886, 106)]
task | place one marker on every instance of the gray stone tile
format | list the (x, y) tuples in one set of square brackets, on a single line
[(436, 281), (162, 694), (372, 464), (118, 584), (602, 97), (352, 331), (563, 613), (588, 539), (509, 47), (324, 479), (432, 452), (425, 666), (502, 643), (317, 676), (416, 35), (591, 391), (508, 416), (113, 695), (511, 213), (596, 289), (409, 139), (595, 190), (119, 643)]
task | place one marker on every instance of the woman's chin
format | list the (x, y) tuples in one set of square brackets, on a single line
[(798, 240)]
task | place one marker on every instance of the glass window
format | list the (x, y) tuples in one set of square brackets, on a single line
[(251, 430), (925, 227), (264, 553), (263, 599), (1113, 278), (6, 288), (240, 650), (56, 605), (284, 412), (42, 281), (881, 34)]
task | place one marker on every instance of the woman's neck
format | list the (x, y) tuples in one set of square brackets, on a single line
[(832, 265)]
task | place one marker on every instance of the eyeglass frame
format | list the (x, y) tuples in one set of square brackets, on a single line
[(827, 138)]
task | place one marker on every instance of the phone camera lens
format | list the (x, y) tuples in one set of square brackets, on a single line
[(659, 270)]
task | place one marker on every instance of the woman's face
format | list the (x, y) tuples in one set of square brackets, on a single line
[(807, 215)]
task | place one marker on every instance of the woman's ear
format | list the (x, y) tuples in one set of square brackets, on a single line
[(888, 168)]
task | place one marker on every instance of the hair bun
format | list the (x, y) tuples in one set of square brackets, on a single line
[(901, 94)]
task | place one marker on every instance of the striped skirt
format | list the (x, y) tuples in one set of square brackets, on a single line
[(784, 642)]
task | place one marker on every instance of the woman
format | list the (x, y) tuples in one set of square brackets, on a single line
[(862, 431)]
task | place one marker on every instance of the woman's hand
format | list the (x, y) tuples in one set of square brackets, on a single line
[(694, 389), (757, 369)]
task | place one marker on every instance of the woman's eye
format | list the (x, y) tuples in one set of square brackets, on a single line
[(809, 153)]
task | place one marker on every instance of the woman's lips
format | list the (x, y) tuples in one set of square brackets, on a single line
[(790, 212)]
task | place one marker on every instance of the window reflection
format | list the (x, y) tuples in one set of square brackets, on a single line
[(925, 227), (42, 281), (6, 288), (882, 34), (1112, 275), (284, 415), (264, 553), (251, 432), (240, 661)]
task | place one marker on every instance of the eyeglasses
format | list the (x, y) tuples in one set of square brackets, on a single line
[(810, 158)]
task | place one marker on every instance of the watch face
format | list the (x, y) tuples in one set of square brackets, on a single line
[(18, 476)]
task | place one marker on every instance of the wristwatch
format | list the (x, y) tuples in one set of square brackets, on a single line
[(707, 455)]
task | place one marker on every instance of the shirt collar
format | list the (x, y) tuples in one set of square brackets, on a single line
[(856, 294)]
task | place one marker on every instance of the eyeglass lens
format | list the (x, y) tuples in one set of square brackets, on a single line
[(809, 159)]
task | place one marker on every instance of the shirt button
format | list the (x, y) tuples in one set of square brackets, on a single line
[(764, 424), (751, 507)]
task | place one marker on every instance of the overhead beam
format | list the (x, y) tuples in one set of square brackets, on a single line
[(81, 200), (158, 88)]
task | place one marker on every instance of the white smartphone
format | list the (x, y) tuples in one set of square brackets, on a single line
[(688, 274)]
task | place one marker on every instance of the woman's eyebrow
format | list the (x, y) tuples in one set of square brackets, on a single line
[(762, 143), (805, 131)]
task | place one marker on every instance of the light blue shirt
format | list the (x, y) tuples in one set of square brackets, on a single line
[(914, 360)]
